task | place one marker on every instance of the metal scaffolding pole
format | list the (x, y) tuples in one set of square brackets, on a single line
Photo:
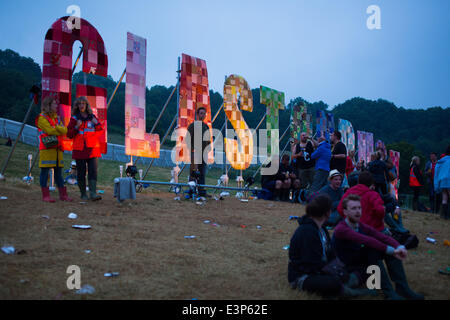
[(17, 138), (115, 89), (282, 136)]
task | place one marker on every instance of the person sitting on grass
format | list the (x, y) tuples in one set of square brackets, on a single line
[(359, 245), (310, 252)]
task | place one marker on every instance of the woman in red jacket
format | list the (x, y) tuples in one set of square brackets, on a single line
[(84, 128)]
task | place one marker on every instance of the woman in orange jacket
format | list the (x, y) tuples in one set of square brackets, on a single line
[(415, 180), (51, 156), (84, 128)]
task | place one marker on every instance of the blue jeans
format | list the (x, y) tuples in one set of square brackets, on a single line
[(334, 218), (43, 178), (320, 180)]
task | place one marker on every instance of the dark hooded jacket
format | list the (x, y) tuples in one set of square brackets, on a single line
[(306, 253)]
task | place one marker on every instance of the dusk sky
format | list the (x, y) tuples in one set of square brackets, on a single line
[(316, 49)]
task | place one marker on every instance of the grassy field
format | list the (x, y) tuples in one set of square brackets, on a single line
[(237, 255)]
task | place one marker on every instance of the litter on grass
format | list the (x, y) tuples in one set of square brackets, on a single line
[(80, 226), (72, 215), (86, 289), (8, 250), (111, 274)]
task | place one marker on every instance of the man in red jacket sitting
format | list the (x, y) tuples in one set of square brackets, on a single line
[(371, 202), (358, 246)]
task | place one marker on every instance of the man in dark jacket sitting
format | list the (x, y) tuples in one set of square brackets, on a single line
[(310, 251)]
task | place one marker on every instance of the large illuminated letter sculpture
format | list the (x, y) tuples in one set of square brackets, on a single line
[(365, 146), (194, 94), (239, 158), (296, 125), (348, 135), (274, 101), (300, 121), (57, 66), (137, 141), (321, 124)]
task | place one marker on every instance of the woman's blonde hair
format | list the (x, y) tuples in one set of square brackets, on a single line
[(76, 106), (46, 105), (414, 160)]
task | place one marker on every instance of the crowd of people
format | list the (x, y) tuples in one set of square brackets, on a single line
[(325, 166), (352, 200)]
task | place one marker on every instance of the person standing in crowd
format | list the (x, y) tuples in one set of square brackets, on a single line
[(199, 141), (338, 153), (358, 245), (373, 210), (84, 128), (442, 182), (429, 173), (415, 181), (379, 171), (51, 154), (335, 191), (350, 164), (303, 161), (322, 157)]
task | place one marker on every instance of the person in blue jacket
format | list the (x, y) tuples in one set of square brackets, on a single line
[(322, 155), (442, 182)]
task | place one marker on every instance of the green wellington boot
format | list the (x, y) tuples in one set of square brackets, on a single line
[(93, 191)]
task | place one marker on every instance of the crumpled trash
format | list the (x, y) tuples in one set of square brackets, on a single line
[(215, 224), (224, 194), (46, 217), (258, 227), (206, 221), (176, 198), (189, 237), (3, 198), (8, 249), (293, 217), (244, 200), (87, 251), (86, 289), (286, 247), (239, 195), (111, 274), (72, 215), (80, 226), (431, 240), (100, 191)]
